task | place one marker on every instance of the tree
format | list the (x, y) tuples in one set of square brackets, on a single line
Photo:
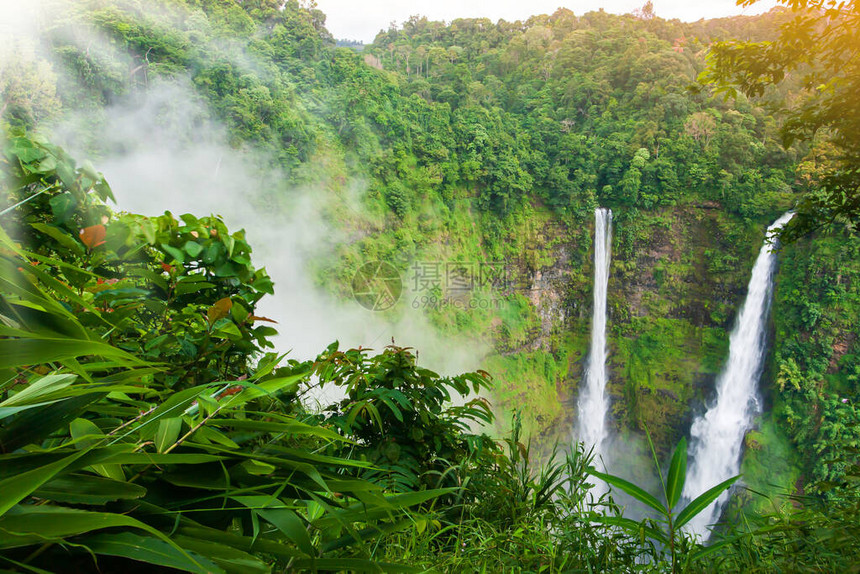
[(646, 12), (28, 92), (822, 43)]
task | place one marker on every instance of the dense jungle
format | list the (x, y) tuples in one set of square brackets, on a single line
[(275, 302)]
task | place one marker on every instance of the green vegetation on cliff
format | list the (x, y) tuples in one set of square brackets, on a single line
[(446, 150)]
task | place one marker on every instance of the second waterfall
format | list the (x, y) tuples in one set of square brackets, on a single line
[(717, 436), (593, 402)]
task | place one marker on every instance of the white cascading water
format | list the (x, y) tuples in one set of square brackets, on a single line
[(593, 402), (716, 438)]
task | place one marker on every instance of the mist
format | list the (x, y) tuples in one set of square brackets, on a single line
[(161, 149)]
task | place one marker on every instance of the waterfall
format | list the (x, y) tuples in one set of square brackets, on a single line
[(717, 436), (593, 402)]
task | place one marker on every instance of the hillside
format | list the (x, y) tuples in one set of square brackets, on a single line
[(468, 157)]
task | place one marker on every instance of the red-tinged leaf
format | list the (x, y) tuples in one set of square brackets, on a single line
[(219, 310), (256, 318), (231, 391), (93, 236), (166, 268)]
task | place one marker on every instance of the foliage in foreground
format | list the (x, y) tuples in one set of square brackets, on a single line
[(141, 423), (139, 417)]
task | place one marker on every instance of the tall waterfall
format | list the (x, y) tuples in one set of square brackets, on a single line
[(717, 437), (593, 402)]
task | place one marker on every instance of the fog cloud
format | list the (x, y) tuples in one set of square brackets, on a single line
[(162, 150)]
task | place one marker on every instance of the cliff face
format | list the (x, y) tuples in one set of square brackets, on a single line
[(674, 293), (676, 281)]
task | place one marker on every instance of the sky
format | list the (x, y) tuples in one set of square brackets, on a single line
[(362, 19)]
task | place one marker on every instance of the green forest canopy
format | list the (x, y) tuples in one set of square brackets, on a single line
[(133, 351)]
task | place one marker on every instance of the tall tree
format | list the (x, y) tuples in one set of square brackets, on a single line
[(822, 43)]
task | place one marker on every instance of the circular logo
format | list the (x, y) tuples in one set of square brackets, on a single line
[(377, 286)]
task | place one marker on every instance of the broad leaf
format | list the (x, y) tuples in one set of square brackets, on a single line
[(93, 236), (36, 389), (61, 236), (241, 542), (88, 489), (28, 525), (677, 474), (713, 547), (150, 550), (703, 501), (35, 425), (219, 310), (87, 435), (18, 487), (230, 559), (632, 490), (36, 349), (267, 387), (637, 529), (282, 518), (167, 433)]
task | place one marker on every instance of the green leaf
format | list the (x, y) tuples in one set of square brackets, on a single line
[(284, 519), (242, 542), (210, 434), (147, 229), (167, 433), (632, 490), (677, 474), (61, 236), (88, 489), (47, 165), (703, 501), (28, 525), (6, 412), (87, 435), (258, 468), (148, 549), (187, 287), (16, 488), (192, 248), (16, 283), (229, 331), (149, 275), (104, 191), (711, 548), (162, 459), (175, 253), (239, 313), (37, 389), (38, 349), (631, 526), (267, 387), (293, 427), (60, 289), (26, 151), (231, 559), (361, 512), (229, 243), (35, 425), (175, 405)]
